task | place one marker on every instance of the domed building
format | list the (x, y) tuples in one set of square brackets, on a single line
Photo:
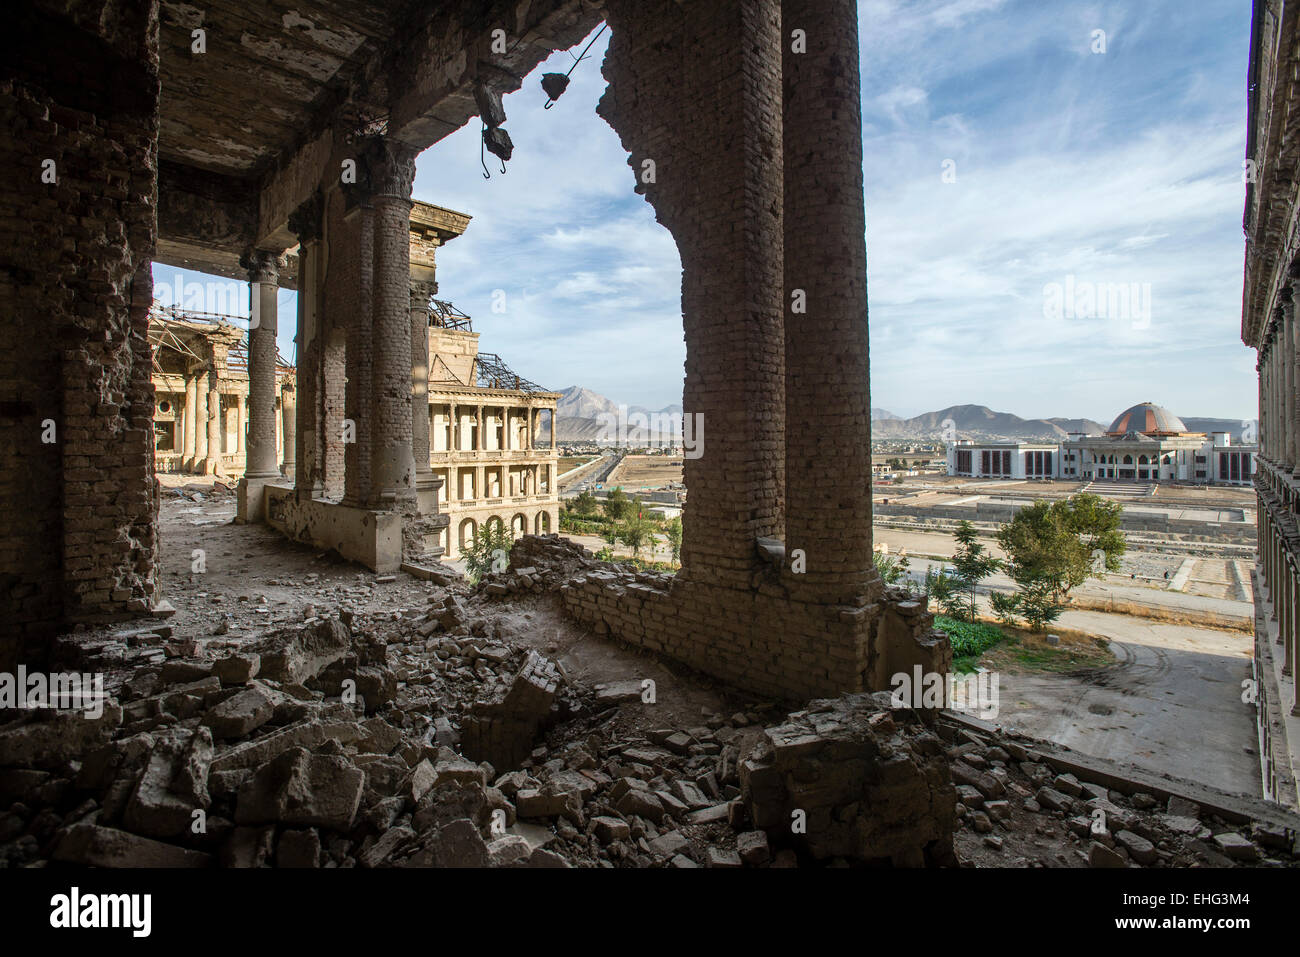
[(1146, 443), (1147, 418)]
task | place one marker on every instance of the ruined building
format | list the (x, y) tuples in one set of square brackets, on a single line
[(200, 381), (485, 437), (351, 719), (258, 134), (1269, 325)]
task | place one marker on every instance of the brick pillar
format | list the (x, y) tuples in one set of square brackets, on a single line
[(828, 497), (393, 464), (358, 397), (260, 465), (191, 417), (308, 430), (289, 426), (682, 76)]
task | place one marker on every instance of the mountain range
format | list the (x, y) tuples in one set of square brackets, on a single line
[(579, 410)]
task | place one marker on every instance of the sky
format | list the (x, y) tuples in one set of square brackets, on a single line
[(1053, 217)]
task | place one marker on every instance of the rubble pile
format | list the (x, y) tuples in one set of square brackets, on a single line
[(1014, 810), (437, 736)]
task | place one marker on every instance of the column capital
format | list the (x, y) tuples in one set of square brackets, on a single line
[(263, 265), (385, 170), (305, 221), (422, 291)]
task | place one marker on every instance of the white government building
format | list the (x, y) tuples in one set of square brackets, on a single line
[(1146, 443)]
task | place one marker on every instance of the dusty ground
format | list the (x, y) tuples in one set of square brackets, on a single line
[(1142, 572), (255, 580), (641, 472)]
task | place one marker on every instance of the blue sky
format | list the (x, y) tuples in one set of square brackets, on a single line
[(1067, 171)]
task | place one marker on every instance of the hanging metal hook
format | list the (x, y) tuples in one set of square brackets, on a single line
[(553, 84), (481, 141)]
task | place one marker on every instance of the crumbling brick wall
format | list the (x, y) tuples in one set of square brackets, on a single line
[(79, 542), (764, 640)]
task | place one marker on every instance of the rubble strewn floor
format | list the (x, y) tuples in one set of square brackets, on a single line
[(296, 712)]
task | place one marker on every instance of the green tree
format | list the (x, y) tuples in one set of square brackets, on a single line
[(618, 506), (584, 504), (1039, 605), (1006, 607), (942, 587), (971, 564), (1057, 546), (490, 551), (635, 532), (674, 532)]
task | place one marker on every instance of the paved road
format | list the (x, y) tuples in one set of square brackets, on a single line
[(1172, 704)]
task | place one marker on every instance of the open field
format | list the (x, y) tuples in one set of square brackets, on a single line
[(640, 472)]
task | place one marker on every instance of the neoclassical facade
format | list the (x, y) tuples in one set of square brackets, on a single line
[(200, 380), (1269, 326), (484, 428), (1145, 443)]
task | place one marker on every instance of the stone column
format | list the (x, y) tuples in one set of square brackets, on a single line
[(827, 394), (200, 422), (289, 414), (555, 428), (191, 417), (212, 464), (392, 172), (241, 436), (420, 292), (308, 429), (453, 427), (480, 439), (260, 466), (1286, 316)]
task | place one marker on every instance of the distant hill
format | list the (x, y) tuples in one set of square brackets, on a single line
[(579, 414), (579, 410), (978, 422), (1231, 426)]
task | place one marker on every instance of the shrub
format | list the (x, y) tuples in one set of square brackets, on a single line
[(968, 637)]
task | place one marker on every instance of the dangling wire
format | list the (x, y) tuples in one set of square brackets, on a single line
[(550, 102)]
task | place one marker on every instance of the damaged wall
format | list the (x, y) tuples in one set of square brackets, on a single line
[(80, 541)]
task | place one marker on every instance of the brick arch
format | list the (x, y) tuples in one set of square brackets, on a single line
[(542, 523), (779, 209)]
